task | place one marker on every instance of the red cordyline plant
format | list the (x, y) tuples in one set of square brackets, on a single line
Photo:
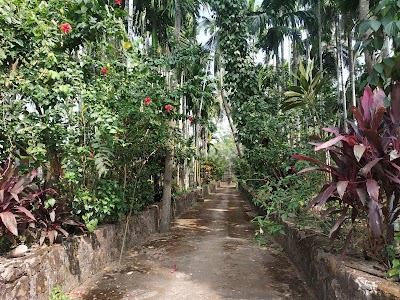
[(15, 195), (23, 204), (51, 216), (366, 173)]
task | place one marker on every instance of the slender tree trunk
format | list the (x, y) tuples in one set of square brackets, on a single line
[(197, 145), (351, 59), (178, 19), (169, 156), (364, 12), (204, 134), (307, 44), (227, 111), (321, 65), (167, 190), (277, 64), (289, 59), (295, 61), (341, 64), (130, 8), (339, 100), (55, 169), (183, 167), (283, 62), (154, 35)]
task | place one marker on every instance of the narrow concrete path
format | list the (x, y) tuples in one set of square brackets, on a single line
[(210, 253)]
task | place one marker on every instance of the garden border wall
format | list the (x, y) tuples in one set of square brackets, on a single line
[(78, 258), (322, 272)]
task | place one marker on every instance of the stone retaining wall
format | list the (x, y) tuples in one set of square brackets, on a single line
[(322, 272), (330, 279), (67, 265)]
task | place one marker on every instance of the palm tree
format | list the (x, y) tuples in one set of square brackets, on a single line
[(277, 20)]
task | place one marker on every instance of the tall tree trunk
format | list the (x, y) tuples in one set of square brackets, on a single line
[(154, 35), (227, 111), (307, 44), (204, 134), (197, 146), (130, 8), (295, 60), (339, 100), (341, 65), (183, 168), (351, 59), (364, 12), (283, 62), (319, 14), (169, 156), (167, 189), (178, 20)]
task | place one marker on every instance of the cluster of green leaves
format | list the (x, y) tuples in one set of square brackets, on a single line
[(375, 33), (240, 78), (73, 104), (305, 94), (213, 169), (58, 294), (282, 199), (395, 270)]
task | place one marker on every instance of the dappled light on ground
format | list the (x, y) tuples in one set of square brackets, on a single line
[(210, 253)]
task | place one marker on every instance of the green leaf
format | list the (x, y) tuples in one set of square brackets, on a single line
[(364, 27), (391, 29), (378, 42), (50, 203), (381, 5), (375, 25), (292, 94), (2, 54), (389, 62), (379, 68)]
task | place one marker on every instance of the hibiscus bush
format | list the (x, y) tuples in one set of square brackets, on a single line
[(85, 106)]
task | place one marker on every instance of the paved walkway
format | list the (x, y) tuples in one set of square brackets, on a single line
[(210, 253)]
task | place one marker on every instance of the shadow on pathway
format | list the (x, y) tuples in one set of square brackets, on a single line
[(210, 253)]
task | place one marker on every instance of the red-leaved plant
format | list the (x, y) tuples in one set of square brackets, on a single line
[(366, 173), (52, 215), (24, 208), (15, 195)]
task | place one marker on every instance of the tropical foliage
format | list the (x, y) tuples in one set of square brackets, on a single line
[(109, 106), (282, 106), (89, 110)]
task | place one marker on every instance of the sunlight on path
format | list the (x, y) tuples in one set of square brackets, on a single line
[(210, 253)]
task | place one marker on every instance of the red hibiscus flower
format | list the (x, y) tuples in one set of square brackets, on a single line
[(118, 2), (104, 71), (168, 107), (147, 100), (191, 119), (91, 155), (65, 27)]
